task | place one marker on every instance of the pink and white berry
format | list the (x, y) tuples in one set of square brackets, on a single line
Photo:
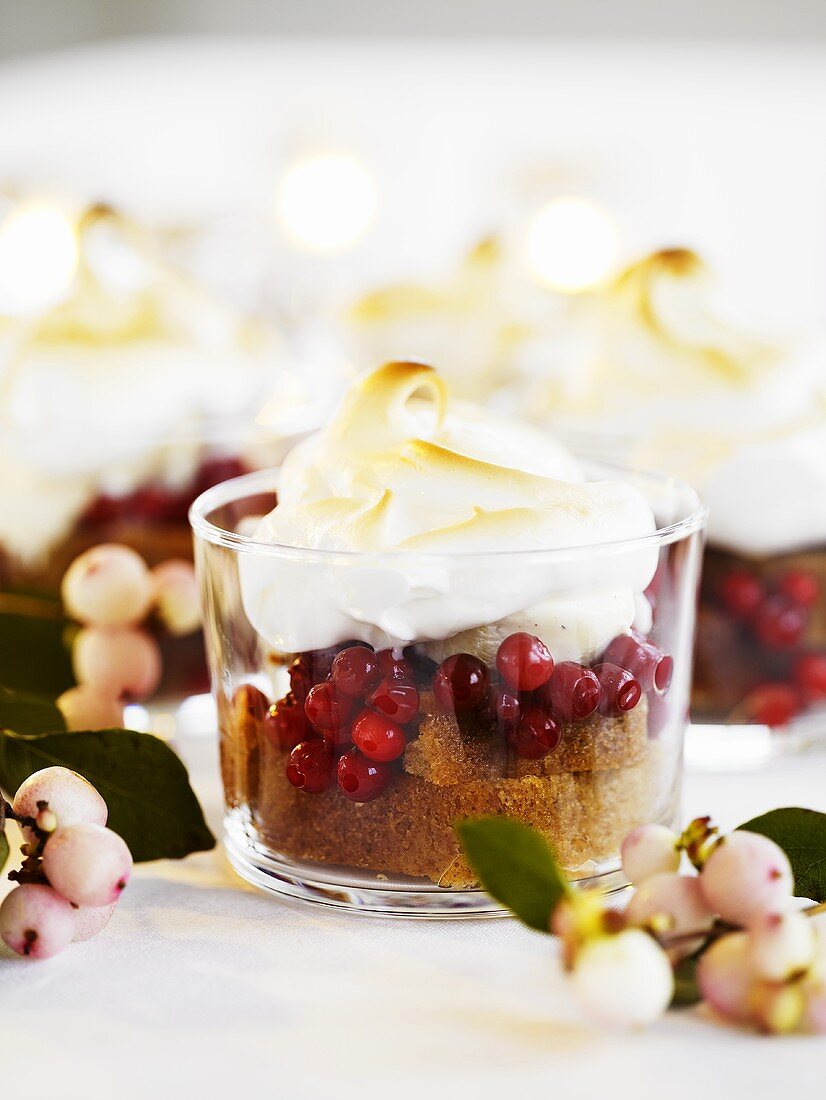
[(108, 585), (649, 850), (176, 597), (777, 1008), (120, 661), (782, 945), (725, 976), (746, 876), (85, 707), (87, 864), (623, 980), (36, 922), (89, 921), (671, 905), (71, 799)]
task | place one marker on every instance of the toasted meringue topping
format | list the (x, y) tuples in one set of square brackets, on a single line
[(400, 469)]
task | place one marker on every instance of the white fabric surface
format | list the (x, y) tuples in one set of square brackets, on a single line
[(201, 986)]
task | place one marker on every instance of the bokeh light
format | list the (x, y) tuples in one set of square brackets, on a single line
[(572, 245), (38, 256), (326, 203)]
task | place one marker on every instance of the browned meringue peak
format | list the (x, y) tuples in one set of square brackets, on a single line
[(467, 324), (479, 269), (396, 468), (669, 294), (124, 291)]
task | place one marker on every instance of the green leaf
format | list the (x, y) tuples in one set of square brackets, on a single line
[(516, 866), (34, 656), (4, 850), (25, 713), (686, 990), (802, 836), (145, 785)]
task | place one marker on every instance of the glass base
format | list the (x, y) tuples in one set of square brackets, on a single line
[(721, 746), (358, 891)]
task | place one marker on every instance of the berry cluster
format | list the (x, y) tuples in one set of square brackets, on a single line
[(761, 962), (773, 619), (111, 591), (74, 871), (346, 720), (159, 503), (351, 711)]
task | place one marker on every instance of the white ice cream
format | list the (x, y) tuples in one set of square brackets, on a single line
[(650, 361), (417, 500), (116, 385)]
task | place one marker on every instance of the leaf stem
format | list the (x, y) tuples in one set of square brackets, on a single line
[(813, 910)]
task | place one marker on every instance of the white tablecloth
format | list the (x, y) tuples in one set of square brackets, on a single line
[(201, 986)]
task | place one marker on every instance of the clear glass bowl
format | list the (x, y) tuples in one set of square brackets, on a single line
[(379, 836)]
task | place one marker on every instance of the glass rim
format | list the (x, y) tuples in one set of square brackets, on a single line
[(265, 481)]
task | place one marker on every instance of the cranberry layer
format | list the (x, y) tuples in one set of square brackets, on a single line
[(350, 711)]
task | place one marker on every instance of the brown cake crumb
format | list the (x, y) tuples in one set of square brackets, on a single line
[(584, 804)]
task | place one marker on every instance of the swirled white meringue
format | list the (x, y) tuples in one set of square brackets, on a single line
[(420, 500)]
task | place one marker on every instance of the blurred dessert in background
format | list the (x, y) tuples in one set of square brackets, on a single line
[(649, 368), (123, 394), (126, 389)]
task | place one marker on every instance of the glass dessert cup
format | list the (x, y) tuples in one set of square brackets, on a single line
[(448, 728)]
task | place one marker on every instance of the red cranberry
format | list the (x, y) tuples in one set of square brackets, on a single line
[(104, 509), (320, 663), (572, 693), (395, 699), (810, 676), (779, 623), (378, 737), (620, 691), (326, 708), (362, 779), (643, 660), (506, 707), (310, 767), (398, 667), (741, 593), (536, 735), (214, 470), (800, 586), (301, 679), (285, 723), (154, 504), (773, 704), (355, 671), (461, 683), (253, 701), (524, 662), (340, 738)]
